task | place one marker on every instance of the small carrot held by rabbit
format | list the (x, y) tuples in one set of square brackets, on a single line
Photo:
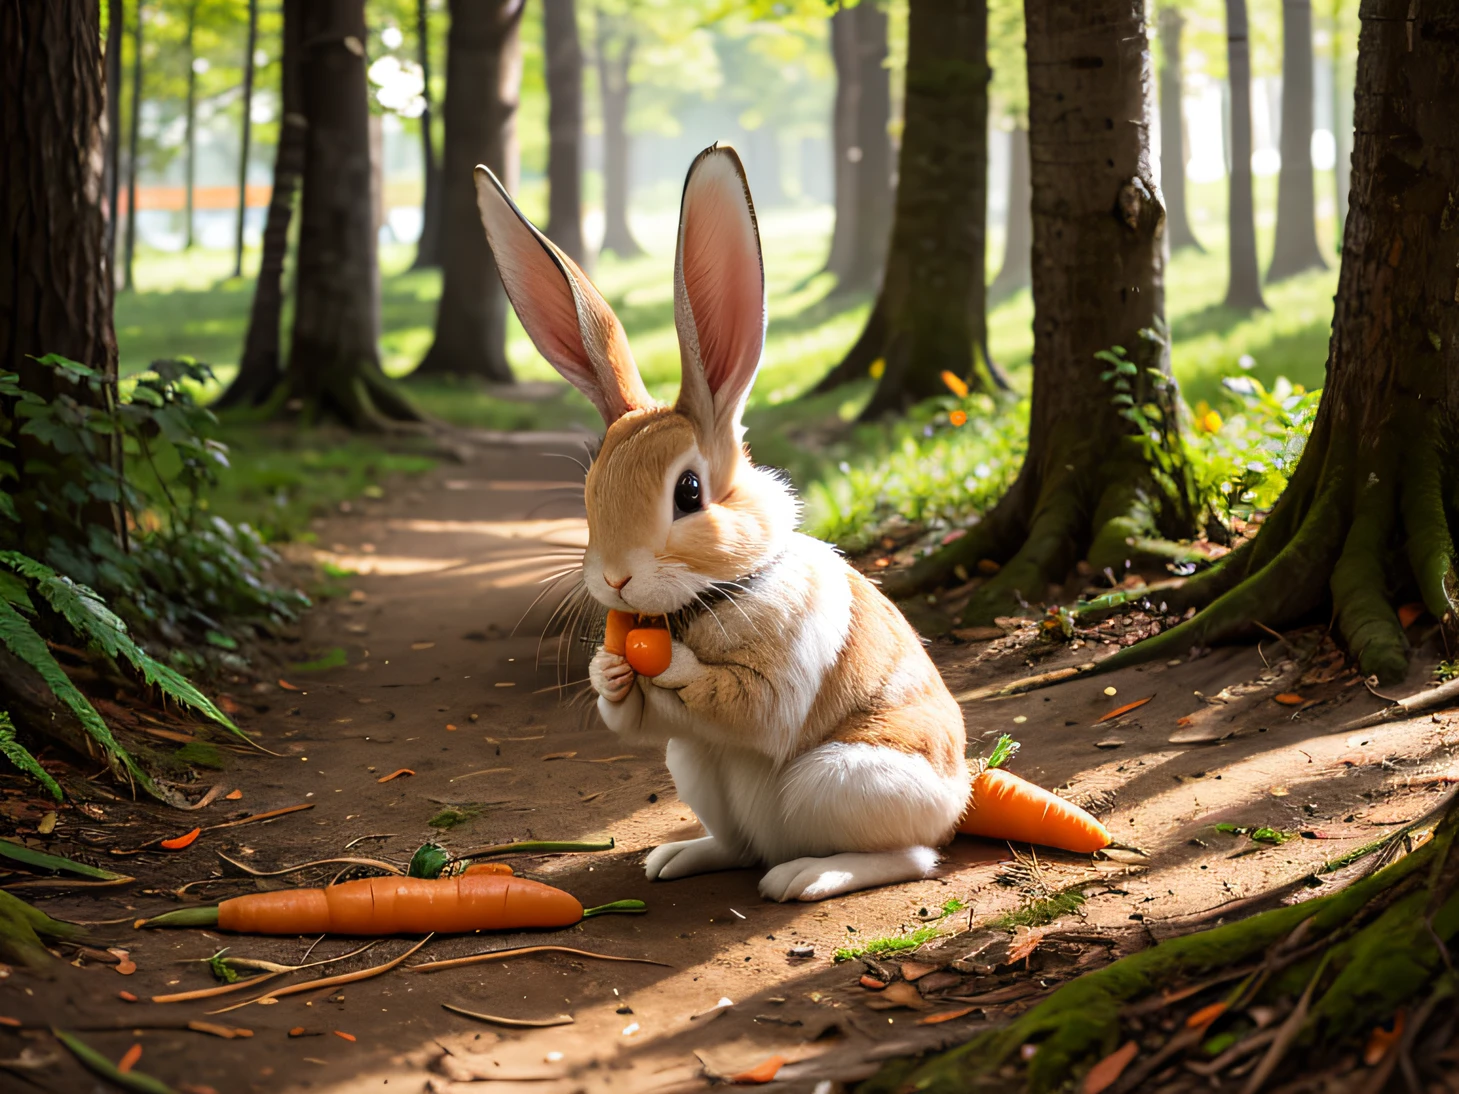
[(647, 649)]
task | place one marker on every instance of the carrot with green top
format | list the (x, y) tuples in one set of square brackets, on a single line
[(1004, 806)]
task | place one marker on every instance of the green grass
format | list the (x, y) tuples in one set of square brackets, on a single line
[(1040, 913), (857, 481), (887, 945)]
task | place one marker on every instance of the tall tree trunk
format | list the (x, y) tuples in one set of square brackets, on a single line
[(334, 362), (929, 317), (115, 28), (1296, 249), (1098, 283), (244, 143), (1243, 289), (55, 277), (1342, 128), (874, 163), (134, 131), (615, 44), (844, 148), (190, 138), (483, 81), (564, 127), (1363, 518), (1172, 132), (1016, 271), (260, 368), (428, 248)]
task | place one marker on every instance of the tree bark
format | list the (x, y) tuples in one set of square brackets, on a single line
[(1363, 519), (244, 143), (1172, 132), (483, 81), (874, 166), (844, 146), (929, 317), (190, 141), (615, 45), (428, 248), (134, 130), (1117, 481), (1342, 129), (1016, 271), (1295, 249), (115, 27), (260, 368), (334, 362), (564, 127), (1243, 289)]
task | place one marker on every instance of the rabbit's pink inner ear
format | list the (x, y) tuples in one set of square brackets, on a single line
[(721, 273), (568, 321)]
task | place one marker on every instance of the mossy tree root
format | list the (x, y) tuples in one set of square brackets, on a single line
[(1383, 931), (366, 401)]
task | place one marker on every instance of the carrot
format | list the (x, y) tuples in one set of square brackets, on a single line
[(615, 633), (1004, 806), (488, 868), (390, 905), (129, 1059), (649, 650), (184, 840)]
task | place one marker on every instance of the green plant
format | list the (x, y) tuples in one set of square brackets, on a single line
[(909, 941)]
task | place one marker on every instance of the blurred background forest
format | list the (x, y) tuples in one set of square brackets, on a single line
[(201, 109)]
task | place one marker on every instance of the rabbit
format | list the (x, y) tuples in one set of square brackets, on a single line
[(801, 717)]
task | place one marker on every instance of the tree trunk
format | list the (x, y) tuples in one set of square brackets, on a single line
[(564, 127), (1243, 289), (873, 165), (190, 140), (1342, 129), (260, 368), (334, 362), (1296, 249), (844, 147), (1016, 271), (483, 80), (929, 316), (134, 130), (428, 248), (115, 27), (1117, 481), (1172, 133), (247, 136), (615, 57)]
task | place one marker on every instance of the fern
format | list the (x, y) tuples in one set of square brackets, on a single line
[(16, 753), (99, 625), (20, 638)]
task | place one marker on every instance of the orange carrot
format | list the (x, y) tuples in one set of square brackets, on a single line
[(488, 868), (129, 1059), (616, 631), (1136, 705), (763, 1072), (390, 905), (649, 650), (1006, 807), (184, 840)]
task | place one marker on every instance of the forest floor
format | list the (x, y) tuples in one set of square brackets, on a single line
[(439, 677)]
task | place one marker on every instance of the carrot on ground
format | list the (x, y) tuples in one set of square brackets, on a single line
[(1006, 807)]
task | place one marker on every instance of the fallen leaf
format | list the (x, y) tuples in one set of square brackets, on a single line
[(1289, 699), (1025, 941), (1205, 1016), (763, 1072), (341, 1033), (988, 566), (178, 843), (234, 795), (422, 645), (559, 756), (1119, 711), (288, 686), (126, 997), (945, 1016), (395, 775), (504, 684), (47, 824), (125, 967), (129, 1059), (1382, 1039), (1184, 720), (303, 1031), (1408, 615), (1106, 1073), (913, 971), (898, 994), (871, 983)]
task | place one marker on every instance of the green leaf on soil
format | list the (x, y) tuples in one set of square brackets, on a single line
[(888, 945), (21, 929), (334, 659), (1260, 835), (200, 754), (18, 852), (18, 755), (221, 640), (455, 815), (137, 1081)]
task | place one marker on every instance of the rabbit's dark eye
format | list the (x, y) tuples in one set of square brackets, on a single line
[(687, 498)]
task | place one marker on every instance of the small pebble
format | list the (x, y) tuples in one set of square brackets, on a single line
[(801, 951), (1111, 690)]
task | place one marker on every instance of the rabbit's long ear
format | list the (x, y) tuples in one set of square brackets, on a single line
[(566, 317), (719, 292)]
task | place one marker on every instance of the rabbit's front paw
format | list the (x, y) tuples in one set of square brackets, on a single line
[(611, 675), (683, 668)]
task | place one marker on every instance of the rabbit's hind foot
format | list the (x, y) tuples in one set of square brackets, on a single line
[(819, 878)]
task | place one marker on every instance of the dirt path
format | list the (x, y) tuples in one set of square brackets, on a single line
[(437, 683)]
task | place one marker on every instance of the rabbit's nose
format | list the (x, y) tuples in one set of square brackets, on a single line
[(617, 586)]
